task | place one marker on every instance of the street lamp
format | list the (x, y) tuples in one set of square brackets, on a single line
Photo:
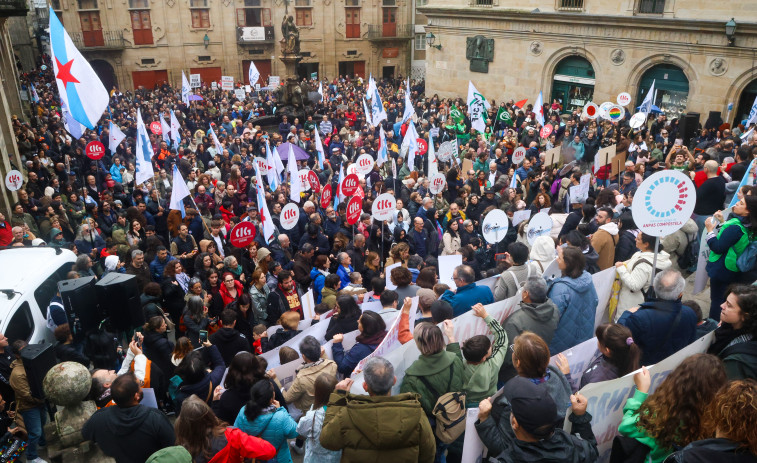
[(206, 40), (730, 31), (430, 39)]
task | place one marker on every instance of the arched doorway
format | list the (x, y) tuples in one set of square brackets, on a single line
[(105, 72), (671, 89), (573, 83), (746, 100)]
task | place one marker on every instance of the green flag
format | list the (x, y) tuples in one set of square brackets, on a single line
[(456, 114), (503, 115)]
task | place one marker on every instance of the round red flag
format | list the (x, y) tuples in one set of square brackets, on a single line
[(243, 234), (95, 150), (156, 128), (315, 184), (354, 209), (422, 146), (326, 196), (350, 184)]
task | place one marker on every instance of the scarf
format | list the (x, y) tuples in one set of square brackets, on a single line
[(371, 340)]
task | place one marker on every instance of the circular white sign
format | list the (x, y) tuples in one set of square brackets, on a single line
[(604, 109), (519, 155), (262, 165), (303, 174), (616, 113), (664, 202), (290, 215), (637, 120), (437, 183), (624, 99), (383, 207), (539, 225), (495, 226), (591, 110), (351, 169), (14, 180), (445, 151), (364, 164)]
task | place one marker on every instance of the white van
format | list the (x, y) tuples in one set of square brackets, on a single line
[(28, 281)]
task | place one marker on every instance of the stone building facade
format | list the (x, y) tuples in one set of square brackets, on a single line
[(590, 50), (134, 43)]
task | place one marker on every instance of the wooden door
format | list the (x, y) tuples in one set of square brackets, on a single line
[(142, 27), (358, 68), (91, 29), (208, 75), (264, 68), (352, 23), (149, 79), (390, 22)]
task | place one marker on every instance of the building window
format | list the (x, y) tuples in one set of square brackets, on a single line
[(349, 3), (570, 5), (303, 13), (352, 23), (651, 6), (200, 18), (252, 15), (87, 4), (484, 2), (421, 2), (420, 41), (141, 27), (139, 4), (388, 2)]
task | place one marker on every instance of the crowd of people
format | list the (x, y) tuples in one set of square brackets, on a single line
[(211, 309)]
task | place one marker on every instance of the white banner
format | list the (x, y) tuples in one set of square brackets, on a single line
[(447, 265), (318, 331), (227, 82), (391, 340)]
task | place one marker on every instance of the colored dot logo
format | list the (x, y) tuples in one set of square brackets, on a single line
[(680, 188)]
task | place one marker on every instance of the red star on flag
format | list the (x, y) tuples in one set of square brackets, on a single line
[(64, 73)]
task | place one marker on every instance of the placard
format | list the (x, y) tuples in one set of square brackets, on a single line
[(262, 165), (579, 193), (616, 113), (239, 94), (304, 179), (603, 157), (194, 81), (364, 164), (444, 153), (227, 83), (552, 156), (546, 131), (664, 202), (437, 183), (96, 150), (637, 120), (290, 215), (422, 146), (591, 110), (388, 273), (156, 128), (520, 216), (350, 184), (354, 209), (273, 81), (14, 180), (243, 234), (214, 85), (384, 206), (495, 226), (539, 225), (604, 109), (308, 305), (315, 183), (447, 265), (624, 99), (618, 164), (519, 155), (326, 196)]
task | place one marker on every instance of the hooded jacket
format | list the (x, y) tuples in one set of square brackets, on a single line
[(443, 370), (302, 391), (234, 445), (576, 299), (634, 278), (274, 427), (373, 429), (540, 318), (130, 435), (604, 241), (319, 280), (229, 342), (543, 251)]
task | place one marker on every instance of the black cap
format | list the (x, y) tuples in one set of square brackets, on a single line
[(532, 406)]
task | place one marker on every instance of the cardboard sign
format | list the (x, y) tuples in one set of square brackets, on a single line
[(350, 184), (384, 206), (618, 164), (326, 196), (603, 157), (290, 215), (552, 156), (519, 155), (467, 165), (194, 81), (96, 150), (495, 226), (239, 94), (664, 202), (156, 128), (243, 234), (520, 216), (227, 83), (354, 209), (14, 180), (364, 164), (437, 183)]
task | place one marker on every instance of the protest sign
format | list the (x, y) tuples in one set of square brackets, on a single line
[(308, 305), (494, 226), (664, 202), (239, 94), (194, 81), (447, 265), (618, 164), (14, 180), (383, 207), (364, 164), (520, 216), (552, 156), (591, 110), (603, 157), (391, 341), (243, 234), (437, 183), (540, 224), (552, 271), (388, 272), (290, 215), (519, 155)]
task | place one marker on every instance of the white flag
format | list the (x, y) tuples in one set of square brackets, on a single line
[(477, 105), (277, 159), (539, 110), (408, 113), (378, 113), (646, 105), (752, 114), (273, 176), (165, 130), (411, 141), (175, 130), (319, 149), (144, 152), (254, 74), (371, 88), (433, 168), (368, 118), (265, 216), (115, 137), (185, 89), (320, 91), (216, 142), (179, 192), (295, 184)]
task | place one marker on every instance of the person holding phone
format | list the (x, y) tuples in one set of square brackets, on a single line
[(196, 319), (679, 158)]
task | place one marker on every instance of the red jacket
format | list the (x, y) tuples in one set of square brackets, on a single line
[(227, 299), (241, 446), (6, 235)]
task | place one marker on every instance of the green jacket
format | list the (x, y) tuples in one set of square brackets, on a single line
[(481, 379), (328, 297), (628, 428), (378, 429), (436, 369)]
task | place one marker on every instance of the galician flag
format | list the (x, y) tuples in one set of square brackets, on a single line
[(539, 110), (368, 118), (382, 151), (165, 130), (253, 74), (646, 105), (179, 192), (748, 179), (175, 130), (265, 216), (319, 149), (378, 113), (408, 113), (185, 89), (477, 106), (503, 115), (371, 87), (115, 137), (143, 153), (514, 181), (272, 174), (78, 85), (295, 183), (216, 142), (70, 123), (433, 167)]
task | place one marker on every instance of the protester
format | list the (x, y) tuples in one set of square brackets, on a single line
[(635, 274), (467, 293), (372, 331), (735, 339)]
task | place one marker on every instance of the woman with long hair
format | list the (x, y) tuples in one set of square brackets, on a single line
[(627, 233), (399, 254), (618, 356), (372, 331), (451, 238), (736, 337), (207, 438), (136, 234), (180, 350), (259, 292), (156, 346), (372, 269), (427, 278), (346, 316), (540, 202), (311, 424), (635, 273), (672, 416), (263, 416), (195, 319), (174, 287)]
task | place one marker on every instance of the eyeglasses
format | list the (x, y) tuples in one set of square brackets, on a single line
[(228, 281)]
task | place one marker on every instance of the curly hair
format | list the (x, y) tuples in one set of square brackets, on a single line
[(733, 414), (673, 414)]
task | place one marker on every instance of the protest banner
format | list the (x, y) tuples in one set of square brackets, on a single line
[(391, 341), (347, 343), (578, 358), (473, 449), (194, 81), (388, 272), (447, 265), (308, 305), (317, 330), (227, 83)]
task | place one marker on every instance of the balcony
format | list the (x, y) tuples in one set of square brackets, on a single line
[(255, 35), (98, 40), (10, 8), (390, 32)]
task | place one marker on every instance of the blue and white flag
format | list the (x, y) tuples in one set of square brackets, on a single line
[(338, 196), (266, 224), (433, 167), (295, 183), (319, 149), (143, 153), (70, 123), (408, 113), (253, 75), (752, 114), (175, 130), (185, 89), (514, 181), (539, 110), (273, 175), (216, 142), (410, 142), (165, 130), (371, 87), (320, 91), (115, 137), (646, 105), (78, 85), (35, 97), (748, 179), (368, 118), (378, 113), (382, 151), (179, 192)]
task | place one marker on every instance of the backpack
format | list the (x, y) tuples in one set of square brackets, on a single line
[(746, 260), (449, 412), (688, 258)]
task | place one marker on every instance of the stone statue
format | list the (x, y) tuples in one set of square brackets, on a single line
[(290, 42)]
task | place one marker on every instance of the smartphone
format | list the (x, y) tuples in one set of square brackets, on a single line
[(203, 336), (679, 141), (135, 338)]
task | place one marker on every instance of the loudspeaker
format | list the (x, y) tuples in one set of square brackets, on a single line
[(38, 359), (80, 302), (118, 295), (688, 126), (714, 120)]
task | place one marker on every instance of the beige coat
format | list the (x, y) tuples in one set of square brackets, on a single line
[(302, 391)]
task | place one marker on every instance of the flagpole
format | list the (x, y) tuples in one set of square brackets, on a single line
[(198, 213)]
